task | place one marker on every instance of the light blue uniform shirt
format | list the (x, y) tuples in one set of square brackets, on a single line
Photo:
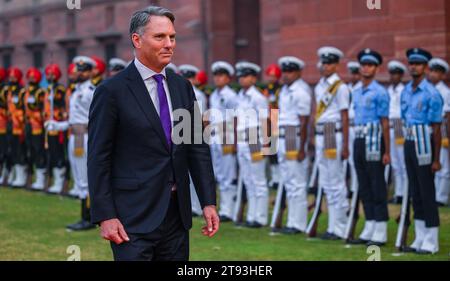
[(423, 106), (370, 103)]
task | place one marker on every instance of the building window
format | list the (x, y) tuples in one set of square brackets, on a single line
[(71, 53), (109, 17), (37, 26), (71, 25), (7, 60), (110, 51), (37, 58), (6, 31)]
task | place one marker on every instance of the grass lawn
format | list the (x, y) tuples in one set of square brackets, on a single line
[(32, 227)]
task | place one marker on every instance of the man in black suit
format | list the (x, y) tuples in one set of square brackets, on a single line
[(138, 176)]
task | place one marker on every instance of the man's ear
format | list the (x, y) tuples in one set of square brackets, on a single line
[(136, 39)]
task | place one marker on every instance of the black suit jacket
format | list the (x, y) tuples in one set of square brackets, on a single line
[(130, 165)]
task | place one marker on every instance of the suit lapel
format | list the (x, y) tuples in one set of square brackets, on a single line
[(175, 98), (141, 94)]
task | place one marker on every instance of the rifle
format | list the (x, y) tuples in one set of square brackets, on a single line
[(277, 216), (49, 170), (353, 217), (238, 213), (311, 230), (404, 222)]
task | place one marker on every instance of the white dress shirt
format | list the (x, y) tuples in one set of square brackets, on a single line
[(80, 102), (220, 101), (445, 93), (395, 94), (251, 99), (340, 102), (151, 85), (294, 101)]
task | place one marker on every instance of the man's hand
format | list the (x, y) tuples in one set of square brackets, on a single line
[(112, 230), (436, 166), (212, 221), (386, 159), (345, 153), (301, 155)]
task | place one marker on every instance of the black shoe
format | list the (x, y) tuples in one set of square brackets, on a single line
[(358, 241), (373, 243), (329, 236), (397, 200), (81, 225), (408, 250), (423, 252), (276, 230), (225, 219), (441, 205), (254, 225), (291, 231)]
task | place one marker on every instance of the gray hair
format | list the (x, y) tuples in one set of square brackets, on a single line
[(140, 18)]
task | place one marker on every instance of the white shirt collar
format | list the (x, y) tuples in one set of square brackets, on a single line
[(146, 72)]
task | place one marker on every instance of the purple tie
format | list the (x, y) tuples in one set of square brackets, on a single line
[(164, 114)]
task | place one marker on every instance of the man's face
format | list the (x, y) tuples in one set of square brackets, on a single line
[(290, 77), (355, 77), (221, 80), (73, 76), (396, 77), (247, 81), (155, 47), (369, 70), (51, 77), (417, 69), (95, 72), (32, 80), (329, 69), (436, 76), (271, 79), (84, 75), (12, 79)]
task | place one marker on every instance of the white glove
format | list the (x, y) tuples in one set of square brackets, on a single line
[(53, 125)]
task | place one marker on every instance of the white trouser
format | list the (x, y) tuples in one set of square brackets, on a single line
[(442, 177), (254, 178), (225, 173), (398, 166), (426, 238), (78, 166), (196, 207), (294, 178), (332, 180), (351, 162)]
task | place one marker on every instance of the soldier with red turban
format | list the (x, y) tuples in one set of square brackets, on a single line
[(56, 109), (16, 113), (34, 112)]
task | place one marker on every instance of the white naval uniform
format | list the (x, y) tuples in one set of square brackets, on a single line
[(224, 165), (442, 177), (253, 174), (294, 101), (351, 138), (202, 102), (80, 101), (331, 171), (397, 154)]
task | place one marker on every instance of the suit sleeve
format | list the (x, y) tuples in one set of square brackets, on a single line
[(199, 159), (101, 131)]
